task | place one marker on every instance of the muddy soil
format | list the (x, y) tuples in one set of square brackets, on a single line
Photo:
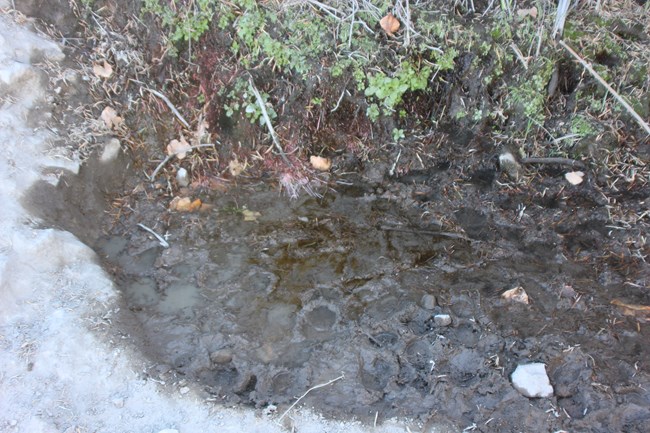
[(261, 297)]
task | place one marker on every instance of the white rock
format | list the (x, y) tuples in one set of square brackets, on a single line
[(182, 178), (531, 380), (184, 390), (442, 319), (574, 177), (111, 150)]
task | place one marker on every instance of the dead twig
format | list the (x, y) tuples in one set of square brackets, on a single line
[(519, 55), (169, 157), (170, 105), (558, 161), (609, 88), (305, 394), (267, 120), (560, 17), (447, 235), (166, 101), (161, 240)]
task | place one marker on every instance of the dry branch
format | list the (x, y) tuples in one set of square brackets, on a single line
[(165, 100), (267, 120), (609, 88), (305, 394), (169, 157), (553, 160)]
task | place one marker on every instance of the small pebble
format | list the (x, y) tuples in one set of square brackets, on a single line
[(184, 390), (182, 177), (509, 165), (428, 302), (270, 409), (111, 150), (222, 356), (118, 402), (442, 319), (568, 292)]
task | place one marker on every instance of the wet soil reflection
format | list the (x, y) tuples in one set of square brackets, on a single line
[(258, 311)]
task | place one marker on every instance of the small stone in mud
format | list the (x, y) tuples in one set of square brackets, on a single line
[(182, 177), (509, 165), (428, 302), (270, 410), (568, 292), (532, 381), (442, 319), (184, 390), (222, 356), (246, 384), (111, 150)]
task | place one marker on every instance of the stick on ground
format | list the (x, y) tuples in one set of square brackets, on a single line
[(609, 88), (161, 240), (553, 160), (166, 160), (305, 394), (267, 120), (165, 100)]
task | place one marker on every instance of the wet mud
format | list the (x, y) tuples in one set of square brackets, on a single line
[(257, 311)]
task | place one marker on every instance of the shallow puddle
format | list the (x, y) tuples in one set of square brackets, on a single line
[(258, 310)]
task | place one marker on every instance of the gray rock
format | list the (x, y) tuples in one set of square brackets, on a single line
[(532, 381), (222, 356), (509, 165), (428, 302), (442, 319)]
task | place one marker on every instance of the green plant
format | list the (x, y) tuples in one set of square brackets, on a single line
[(460, 114), (254, 113), (581, 126), (372, 112), (187, 22), (529, 94), (241, 98), (445, 60), (389, 90)]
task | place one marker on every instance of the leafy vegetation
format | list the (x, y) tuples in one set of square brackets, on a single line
[(434, 56)]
